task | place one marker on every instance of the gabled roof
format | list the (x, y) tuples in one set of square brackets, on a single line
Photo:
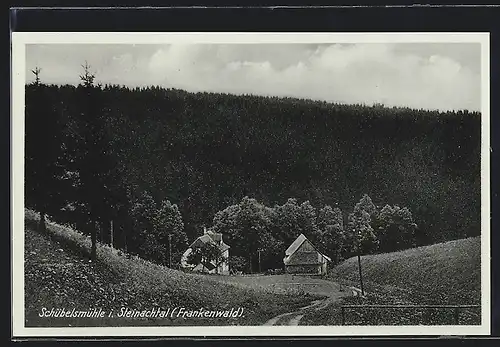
[(217, 237), (210, 237), (203, 239), (296, 245)]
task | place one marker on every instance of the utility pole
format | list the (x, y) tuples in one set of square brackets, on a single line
[(170, 250), (359, 263), (99, 230), (258, 251)]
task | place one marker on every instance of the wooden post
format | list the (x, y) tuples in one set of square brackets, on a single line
[(125, 240), (41, 223), (360, 276), (359, 266), (259, 260), (342, 314), (111, 233), (98, 231), (170, 250), (93, 236), (217, 264), (457, 315)]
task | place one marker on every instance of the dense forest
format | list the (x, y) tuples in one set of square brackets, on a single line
[(96, 156)]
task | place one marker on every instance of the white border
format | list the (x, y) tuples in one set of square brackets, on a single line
[(19, 40)]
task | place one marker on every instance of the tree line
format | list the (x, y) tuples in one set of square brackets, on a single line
[(251, 227), (151, 166)]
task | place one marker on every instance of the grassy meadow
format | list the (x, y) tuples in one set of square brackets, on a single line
[(441, 274)]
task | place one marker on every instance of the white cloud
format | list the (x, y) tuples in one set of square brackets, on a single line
[(358, 73)]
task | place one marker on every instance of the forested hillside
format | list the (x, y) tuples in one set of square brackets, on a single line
[(202, 152)]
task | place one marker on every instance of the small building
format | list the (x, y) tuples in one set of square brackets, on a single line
[(303, 258), (213, 266)]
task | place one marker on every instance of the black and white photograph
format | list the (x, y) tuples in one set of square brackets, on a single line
[(250, 184)]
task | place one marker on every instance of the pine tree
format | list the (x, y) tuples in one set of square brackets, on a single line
[(43, 148), (94, 163)]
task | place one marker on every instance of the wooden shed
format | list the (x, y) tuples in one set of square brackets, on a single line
[(303, 258)]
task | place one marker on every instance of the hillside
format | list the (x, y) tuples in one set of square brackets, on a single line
[(206, 151), (444, 273), (441, 274), (58, 274)]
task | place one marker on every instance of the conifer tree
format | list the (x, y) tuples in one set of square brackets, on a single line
[(95, 164), (42, 152)]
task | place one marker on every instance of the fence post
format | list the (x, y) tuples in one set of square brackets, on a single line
[(342, 313), (456, 315)]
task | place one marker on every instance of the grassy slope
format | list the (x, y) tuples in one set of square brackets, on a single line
[(445, 274), (58, 274)]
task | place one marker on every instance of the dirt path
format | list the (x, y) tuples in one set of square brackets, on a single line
[(328, 291), (293, 318), (317, 286)]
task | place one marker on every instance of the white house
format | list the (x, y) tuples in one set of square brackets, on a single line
[(213, 267)]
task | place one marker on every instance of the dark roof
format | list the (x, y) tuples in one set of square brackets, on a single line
[(209, 265), (210, 237), (217, 237), (203, 239)]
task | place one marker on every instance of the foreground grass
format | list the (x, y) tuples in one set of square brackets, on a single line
[(441, 274), (59, 274)]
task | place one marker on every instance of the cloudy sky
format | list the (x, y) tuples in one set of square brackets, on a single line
[(422, 75)]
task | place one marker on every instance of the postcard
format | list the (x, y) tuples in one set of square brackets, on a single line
[(250, 184)]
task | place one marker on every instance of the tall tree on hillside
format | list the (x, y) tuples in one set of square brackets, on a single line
[(95, 163), (169, 231), (43, 145), (331, 228), (292, 219), (360, 233), (255, 220), (156, 229), (36, 71), (248, 227), (395, 228), (360, 236), (143, 214), (366, 204)]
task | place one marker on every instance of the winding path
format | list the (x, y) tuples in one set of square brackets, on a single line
[(317, 286), (293, 318)]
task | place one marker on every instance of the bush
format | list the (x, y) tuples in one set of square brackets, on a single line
[(237, 264)]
